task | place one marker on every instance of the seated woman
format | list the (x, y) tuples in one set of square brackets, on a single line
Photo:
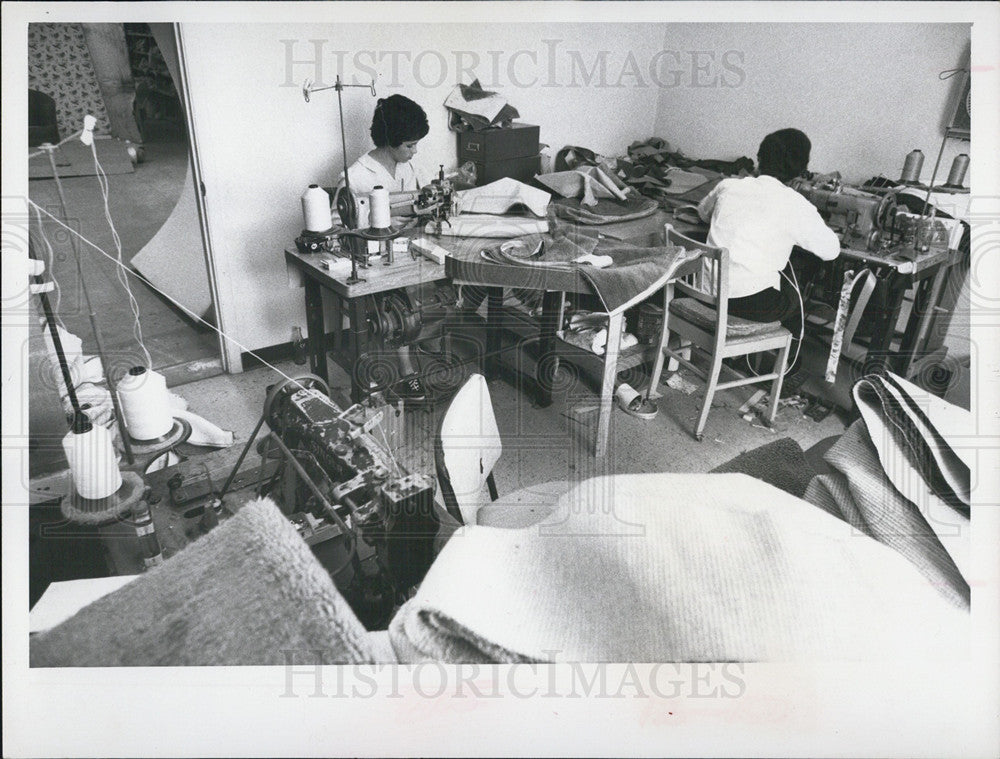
[(759, 220), (398, 124)]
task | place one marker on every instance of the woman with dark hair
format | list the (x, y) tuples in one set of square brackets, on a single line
[(397, 126), (759, 220)]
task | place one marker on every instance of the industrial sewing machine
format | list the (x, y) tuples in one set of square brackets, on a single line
[(371, 523), (864, 220)]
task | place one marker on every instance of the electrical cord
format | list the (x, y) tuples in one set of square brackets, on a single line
[(794, 282), (102, 181)]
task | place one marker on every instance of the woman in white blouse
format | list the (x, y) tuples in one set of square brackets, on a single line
[(397, 126)]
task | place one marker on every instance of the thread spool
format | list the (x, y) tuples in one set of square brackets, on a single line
[(316, 209), (145, 404), (912, 166), (958, 168), (92, 460), (379, 213), (87, 133)]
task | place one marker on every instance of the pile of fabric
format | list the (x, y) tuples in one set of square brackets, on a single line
[(471, 108), (673, 179)]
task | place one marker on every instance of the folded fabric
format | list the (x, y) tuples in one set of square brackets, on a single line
[(587, 183), (472, 107), (203, 432), (596, 340), (487, 225), (674, 567), (605, 211), (503, 196), (859, 493), (918, 461), (636, 273)]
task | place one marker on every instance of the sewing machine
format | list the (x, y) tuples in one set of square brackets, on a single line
[(340, 485), (437, 201), (864, 220)]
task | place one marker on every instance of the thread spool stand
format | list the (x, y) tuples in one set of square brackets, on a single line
[(100, 511)]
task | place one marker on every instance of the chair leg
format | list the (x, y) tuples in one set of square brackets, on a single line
[(779, 367), (711, 381), (608, 383), (654, 379), (492, 485)]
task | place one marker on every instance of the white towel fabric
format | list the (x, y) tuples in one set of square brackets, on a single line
[(675, 567), (501, 196), (487, 225)]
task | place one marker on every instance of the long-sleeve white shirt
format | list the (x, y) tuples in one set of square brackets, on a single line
[(759, 220)]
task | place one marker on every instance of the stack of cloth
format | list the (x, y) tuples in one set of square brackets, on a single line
[(670, 177), (898, 479), (590, 190), (620, 274), (471, 108)]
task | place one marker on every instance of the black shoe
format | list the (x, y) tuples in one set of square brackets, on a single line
[(410, 388)]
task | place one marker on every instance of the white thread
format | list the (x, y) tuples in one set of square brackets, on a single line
[(102, 180), (87, 135), (49, 148), (316, 213), (92, 460), (50, 261), (181, 306), (379, 213), (145, 404)]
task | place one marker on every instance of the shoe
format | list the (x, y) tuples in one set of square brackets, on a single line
[(410, 388)]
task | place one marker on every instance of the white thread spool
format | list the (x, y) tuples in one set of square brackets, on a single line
[(379, 213), (911, 167), (92, 459), (316, 209), (145, 404), (958, 168)]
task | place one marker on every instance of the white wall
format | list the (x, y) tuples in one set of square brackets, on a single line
[(866, 94), (261, 144)]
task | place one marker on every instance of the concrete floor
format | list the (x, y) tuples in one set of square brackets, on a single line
[(540, 445), (140, 203)]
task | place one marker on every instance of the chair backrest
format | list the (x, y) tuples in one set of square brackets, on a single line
[(467, 448), (710, 284)]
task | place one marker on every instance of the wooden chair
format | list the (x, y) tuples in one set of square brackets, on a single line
[(466, 449), (702, 322)]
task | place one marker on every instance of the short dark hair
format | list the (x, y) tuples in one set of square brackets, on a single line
[(784, 154), (397, 120)]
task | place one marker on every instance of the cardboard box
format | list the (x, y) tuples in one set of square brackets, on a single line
[(489, 145), (521, 169)]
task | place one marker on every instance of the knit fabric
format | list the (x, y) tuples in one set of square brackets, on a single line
[(244, 594), (860, 493), (674, 567)]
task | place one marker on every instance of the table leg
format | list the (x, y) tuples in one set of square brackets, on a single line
[(359, 339), (494, 330), (879, 356), (316, 327), (615, 322), (338, 325), (548, 360), (924, 302)]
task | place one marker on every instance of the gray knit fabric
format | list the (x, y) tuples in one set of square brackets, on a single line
[(250, 592)]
